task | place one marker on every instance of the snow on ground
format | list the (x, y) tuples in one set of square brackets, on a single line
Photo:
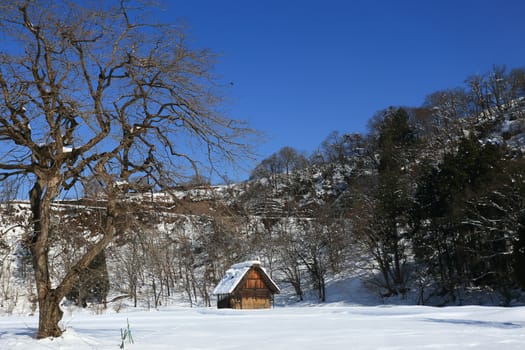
[(289, 328)]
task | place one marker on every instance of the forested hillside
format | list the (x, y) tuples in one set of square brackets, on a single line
[(428, 205), (432, 197)]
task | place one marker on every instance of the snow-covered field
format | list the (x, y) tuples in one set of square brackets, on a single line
[(289, 328)]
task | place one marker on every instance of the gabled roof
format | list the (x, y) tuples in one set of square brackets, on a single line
[(235, 274)]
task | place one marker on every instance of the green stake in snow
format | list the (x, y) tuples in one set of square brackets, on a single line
[(126, 334)]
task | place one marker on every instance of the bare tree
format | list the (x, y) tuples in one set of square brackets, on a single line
[(89, 91), (286, 161), (289, 258)]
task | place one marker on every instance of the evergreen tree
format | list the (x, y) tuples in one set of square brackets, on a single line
[(518, 253), (390, 192), (464, 218)]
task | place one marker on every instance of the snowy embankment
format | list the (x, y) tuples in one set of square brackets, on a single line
[(289, 328)]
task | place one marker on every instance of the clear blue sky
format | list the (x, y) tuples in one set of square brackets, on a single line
[(303, 68)]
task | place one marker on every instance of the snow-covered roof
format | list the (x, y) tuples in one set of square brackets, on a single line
[(235, 274)]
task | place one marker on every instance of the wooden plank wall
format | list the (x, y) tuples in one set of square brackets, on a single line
[(253, 292)]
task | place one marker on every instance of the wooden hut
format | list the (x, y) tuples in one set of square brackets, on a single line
[(246, 286)]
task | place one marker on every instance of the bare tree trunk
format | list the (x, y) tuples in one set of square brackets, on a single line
[(49, 315), (48, 300)]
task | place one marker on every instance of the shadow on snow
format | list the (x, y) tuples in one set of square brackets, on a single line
[(488, 324)]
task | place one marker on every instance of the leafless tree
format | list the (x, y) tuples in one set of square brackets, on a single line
[(92, 91), (289, 260), (283, 162)]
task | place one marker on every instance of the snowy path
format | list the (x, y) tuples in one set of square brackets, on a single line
[(395, 327)]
